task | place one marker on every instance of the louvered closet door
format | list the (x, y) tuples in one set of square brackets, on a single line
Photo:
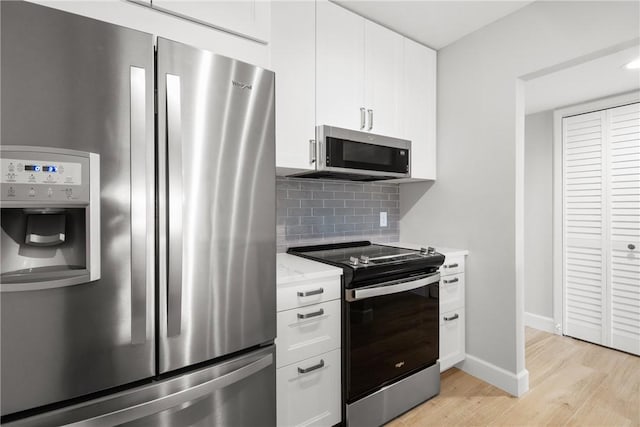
[(601, 202), (624, 230), (584, 201)]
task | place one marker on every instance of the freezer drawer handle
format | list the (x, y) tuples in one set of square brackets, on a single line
[(454, 280), (310, 293), (145, 409), (449, 318), (454, 265), (311, 368), (310, 315)]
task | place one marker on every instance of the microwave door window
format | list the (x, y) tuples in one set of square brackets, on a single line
[(347, 154)]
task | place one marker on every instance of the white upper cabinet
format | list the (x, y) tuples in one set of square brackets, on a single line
[(383, 80), (336, 68), (340, 67), (293, 58), (247, 18), (419, 108)]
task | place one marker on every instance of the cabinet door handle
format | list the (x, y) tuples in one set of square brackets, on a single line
[(312, 151), (311, 368), (454, 280), (454, 265), (362, 118), (310, 315), (454, 317), (370, 119), (309, 293)]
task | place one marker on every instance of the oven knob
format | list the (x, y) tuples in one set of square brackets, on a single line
[(353, 260), (364, 259), (423, 251), (431, 250)]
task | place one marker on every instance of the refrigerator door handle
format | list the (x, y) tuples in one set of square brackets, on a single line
[(174, 206), (142, 206), (164, 403)]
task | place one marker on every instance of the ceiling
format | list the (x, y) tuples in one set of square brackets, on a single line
[(591, 80), (433, 23)]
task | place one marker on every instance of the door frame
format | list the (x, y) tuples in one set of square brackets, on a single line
[(558, 231)]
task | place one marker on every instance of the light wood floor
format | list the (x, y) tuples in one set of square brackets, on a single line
[(570, 383)]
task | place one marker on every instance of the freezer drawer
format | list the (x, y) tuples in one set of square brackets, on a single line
[(238, 392)]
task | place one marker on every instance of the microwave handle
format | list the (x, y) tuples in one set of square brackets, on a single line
[(312, 151)]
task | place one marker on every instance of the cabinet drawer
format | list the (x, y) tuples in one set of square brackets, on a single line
[(452, 346), (308, 292), (452, 265), (310, 398), (451, 292), (307, 331)]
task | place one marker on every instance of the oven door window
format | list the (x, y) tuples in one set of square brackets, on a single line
[(342, 153), (389, 337)]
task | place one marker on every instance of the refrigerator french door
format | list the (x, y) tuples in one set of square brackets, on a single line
[(73, 83), (216, 164), (183, 336)]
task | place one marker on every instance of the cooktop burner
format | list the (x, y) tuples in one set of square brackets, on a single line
[(364, 262)]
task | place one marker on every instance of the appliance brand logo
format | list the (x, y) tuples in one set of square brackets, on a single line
[(400, 364), (241, 85), (402, 152)]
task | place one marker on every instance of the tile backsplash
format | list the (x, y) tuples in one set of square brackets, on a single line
[(312, 211)]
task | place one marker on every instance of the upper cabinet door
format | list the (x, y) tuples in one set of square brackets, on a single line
[(340, 67), (419, 108), (247, 18), (383, 80), (293, 59)]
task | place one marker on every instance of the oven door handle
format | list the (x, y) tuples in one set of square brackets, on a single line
[(375, 291)]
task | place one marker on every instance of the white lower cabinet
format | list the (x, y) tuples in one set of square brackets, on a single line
[(451, 338), (452, 302), (308, 353), (307, 331), (309, 391)]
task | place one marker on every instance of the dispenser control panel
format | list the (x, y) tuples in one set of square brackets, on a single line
[(24, 171), (45, 174)]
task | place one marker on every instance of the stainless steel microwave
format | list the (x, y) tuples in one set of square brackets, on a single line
[(359, 156)]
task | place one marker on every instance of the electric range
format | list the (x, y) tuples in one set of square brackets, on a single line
[(390, 326)]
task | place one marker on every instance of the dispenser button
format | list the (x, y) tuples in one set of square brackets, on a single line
[(49, 192), (11, 192), (11, 167), (68, 192), (32, 192)]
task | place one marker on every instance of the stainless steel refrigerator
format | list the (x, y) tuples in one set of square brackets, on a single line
[(138, 230)]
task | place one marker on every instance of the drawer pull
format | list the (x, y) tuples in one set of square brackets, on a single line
[(454, 317), (312, 314), (454, 280), (309, 293), (454, 265), (311, 368)]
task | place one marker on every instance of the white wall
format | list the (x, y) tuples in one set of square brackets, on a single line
[(475, 203), (538, 214), (145, 19)]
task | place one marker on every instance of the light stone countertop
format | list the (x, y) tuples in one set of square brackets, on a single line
[(292, 268)]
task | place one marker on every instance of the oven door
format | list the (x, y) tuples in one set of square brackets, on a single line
[(391, 331)]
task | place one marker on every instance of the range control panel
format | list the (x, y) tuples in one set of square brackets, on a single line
[(49, 175)]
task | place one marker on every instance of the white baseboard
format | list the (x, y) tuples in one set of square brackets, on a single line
[(514, 384), (540, 322)]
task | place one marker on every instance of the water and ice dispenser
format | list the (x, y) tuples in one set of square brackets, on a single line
[(50, 215)]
